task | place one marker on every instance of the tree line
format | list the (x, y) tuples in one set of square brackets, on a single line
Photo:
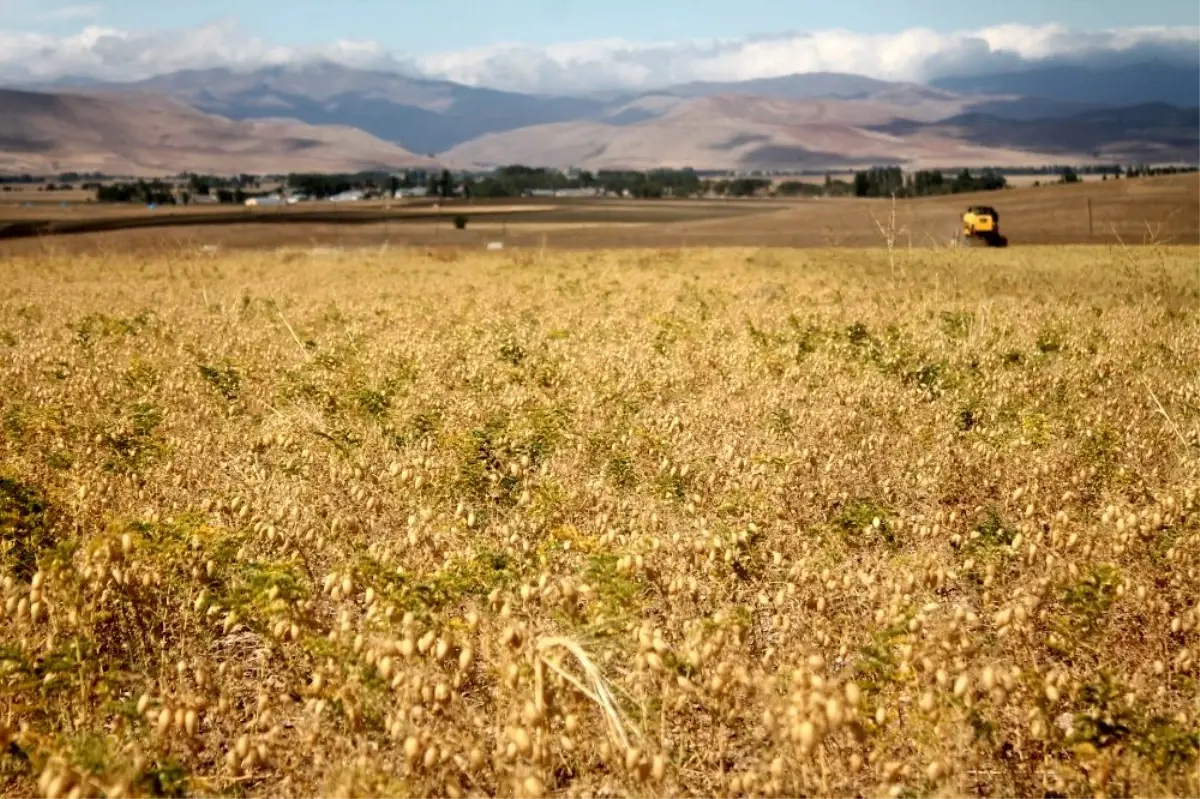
[(519, 180), (154, 192), (1146, 171), (322, 185), (158, 192), (516, 181), (892, 181), (210, 184)]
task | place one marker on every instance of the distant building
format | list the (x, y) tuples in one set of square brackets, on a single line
[(270, 199), (347, 197), (415, 191), (581, 192)]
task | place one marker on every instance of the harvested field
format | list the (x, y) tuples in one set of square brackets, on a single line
[(1145, 210), (18, 195), (729, 522), (100, 218)]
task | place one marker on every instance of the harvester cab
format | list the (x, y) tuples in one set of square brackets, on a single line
[(982, 223)]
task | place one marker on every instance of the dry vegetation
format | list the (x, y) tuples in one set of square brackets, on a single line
[(1163, 210), (729, 522)]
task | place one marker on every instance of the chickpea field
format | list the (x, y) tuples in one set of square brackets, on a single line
[(728, 522)]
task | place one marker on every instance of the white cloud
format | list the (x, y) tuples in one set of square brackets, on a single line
[(916, 54), (110, 54)]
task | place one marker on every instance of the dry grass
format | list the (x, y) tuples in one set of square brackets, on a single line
[(1162, 210), (729, 522), (18, 194), (238, 213)]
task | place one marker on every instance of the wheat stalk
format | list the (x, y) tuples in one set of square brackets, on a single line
[(600, 693)]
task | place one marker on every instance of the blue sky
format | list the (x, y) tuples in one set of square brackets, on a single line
[(420, 27)]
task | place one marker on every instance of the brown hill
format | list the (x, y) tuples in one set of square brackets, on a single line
[(742, 132), (1145, 133), (422, 115), (139, 133)]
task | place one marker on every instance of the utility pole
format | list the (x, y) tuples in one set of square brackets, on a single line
[(1089, 212)]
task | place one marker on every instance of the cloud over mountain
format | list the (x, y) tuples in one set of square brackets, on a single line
[(108, 54), (912, 55), (916, 54)]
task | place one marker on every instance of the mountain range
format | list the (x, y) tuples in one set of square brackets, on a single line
[(327, 117), (142, 133)]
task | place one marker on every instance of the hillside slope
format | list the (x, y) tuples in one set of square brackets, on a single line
[(139, 133), (420, 114), (363, 118), (428, 115), (739, 132), (1151, 132), (1150, 81)]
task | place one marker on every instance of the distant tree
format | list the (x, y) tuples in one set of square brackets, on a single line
[(155, 192), (653, 190), (879, 182), (840, 188), (862, 184), (491, 187), (747, 187), (963, 182), (798, 188)]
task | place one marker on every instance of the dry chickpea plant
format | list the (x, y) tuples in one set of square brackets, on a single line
[(648, 523)]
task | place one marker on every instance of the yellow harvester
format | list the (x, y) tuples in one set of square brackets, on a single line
[(982, 223)]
